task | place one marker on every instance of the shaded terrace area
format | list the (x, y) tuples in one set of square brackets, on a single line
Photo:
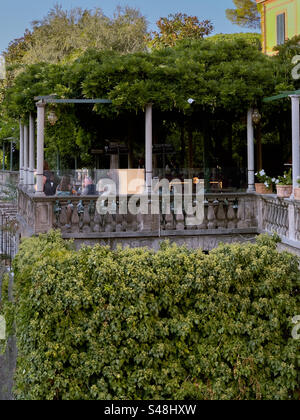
[(228, 216)]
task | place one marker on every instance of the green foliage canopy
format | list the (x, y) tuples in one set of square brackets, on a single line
[(222, 76), (225, 74)]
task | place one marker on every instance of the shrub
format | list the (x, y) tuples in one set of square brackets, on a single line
[(175, 324)]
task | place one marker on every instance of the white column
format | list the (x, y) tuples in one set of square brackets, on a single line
[(25, 166), (295, 139), (21, 161), (251, 163), (31, 154), (148, 166), (40, 147)]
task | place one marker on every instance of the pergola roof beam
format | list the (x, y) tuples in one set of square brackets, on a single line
[(51, 100), (282, 95)]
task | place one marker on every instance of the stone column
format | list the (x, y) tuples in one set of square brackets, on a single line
[(40, 147), (148, 136), (26, 138), (21, 161), (31, 154), (250, 141), (295, 140)]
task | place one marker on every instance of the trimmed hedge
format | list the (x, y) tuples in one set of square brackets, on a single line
[(175, 324)]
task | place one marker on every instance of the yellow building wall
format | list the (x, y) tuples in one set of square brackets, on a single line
[(270, 9)]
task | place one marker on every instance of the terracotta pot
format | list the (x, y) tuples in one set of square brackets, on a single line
[(284, 191), (297, 194), (262, 189)]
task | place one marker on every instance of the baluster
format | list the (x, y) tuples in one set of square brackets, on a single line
[(80, 212), (272, 217), (75, 222), (231, 215), (270, 211), (278, 214), (221, 215), (173, 218), (235, 207), (97, 221), (86, 220), (279, 218), (92, 214), (205, 220), (241, 215), (298, 223), (57, 212), (265, 210), (69, 213), (211, 216), (124, 222), (286, 221)]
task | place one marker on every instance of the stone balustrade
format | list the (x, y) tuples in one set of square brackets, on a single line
[(297, 221), (275, 215), (78, 215), (227, 217)]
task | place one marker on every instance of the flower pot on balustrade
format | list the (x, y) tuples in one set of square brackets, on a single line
[(284, 191), (262, 189), (297, 194)]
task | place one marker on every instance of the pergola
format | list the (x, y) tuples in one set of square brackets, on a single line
[(27, 142), (295, 97)]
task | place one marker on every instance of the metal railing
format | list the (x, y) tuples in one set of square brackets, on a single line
[(8, 233)]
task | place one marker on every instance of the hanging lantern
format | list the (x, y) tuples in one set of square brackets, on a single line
[(52, 118), (256, 117)]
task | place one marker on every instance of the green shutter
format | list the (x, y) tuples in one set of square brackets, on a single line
[(281, 29)]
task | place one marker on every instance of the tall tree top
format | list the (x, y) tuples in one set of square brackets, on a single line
[(245, 14), (62, 35), (177, 27)]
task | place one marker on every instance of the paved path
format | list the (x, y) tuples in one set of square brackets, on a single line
[(7, 368), (7, 362)]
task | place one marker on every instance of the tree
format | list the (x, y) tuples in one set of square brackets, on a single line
[(178, 27), (17, 48), (63, 36), (246, 13)]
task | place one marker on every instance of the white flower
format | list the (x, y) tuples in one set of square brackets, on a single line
[(273, 179), (267, 185), (262, 173), (277, 181), (284, 176)]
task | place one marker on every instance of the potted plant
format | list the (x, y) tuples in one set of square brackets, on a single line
[(297, 191), (284, 185), (264, 184)]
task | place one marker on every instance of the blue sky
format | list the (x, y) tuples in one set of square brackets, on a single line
[(16, 15)]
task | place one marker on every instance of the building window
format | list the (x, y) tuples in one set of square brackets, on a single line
[(281, 29)]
